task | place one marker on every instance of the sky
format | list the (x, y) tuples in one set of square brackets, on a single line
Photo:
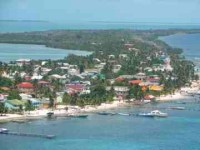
[(163, 11)]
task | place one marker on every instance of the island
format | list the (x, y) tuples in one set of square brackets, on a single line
[(125, 67)]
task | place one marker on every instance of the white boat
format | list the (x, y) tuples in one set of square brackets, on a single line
[(3, 130), (155, 113), (146, 101), (123, 114), (177, 108)]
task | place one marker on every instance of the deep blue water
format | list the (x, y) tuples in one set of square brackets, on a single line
[(24, 26), (180, 131), (12, 52)]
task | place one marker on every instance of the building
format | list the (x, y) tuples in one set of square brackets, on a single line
[(2, 97), (21, 62), (135, 82), (25, 87), (120, 91), (15, 104), (77, 88), (116, 68), (123, 56)]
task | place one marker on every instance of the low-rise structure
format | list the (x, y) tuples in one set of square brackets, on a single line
[(25, 87)]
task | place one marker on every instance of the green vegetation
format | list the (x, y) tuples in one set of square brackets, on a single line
[(142, 48), (3, 109), (14, 94)]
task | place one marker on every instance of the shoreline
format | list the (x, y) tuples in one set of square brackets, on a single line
[(187, 93), (40, 114)]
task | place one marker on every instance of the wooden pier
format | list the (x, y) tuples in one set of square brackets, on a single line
[(29, 135)]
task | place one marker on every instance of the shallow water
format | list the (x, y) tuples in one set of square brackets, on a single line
[(179, 131), (12, 52), (190, 43)]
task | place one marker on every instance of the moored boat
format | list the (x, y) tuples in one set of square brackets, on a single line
[(123, 114), (155, 113), (3, 130), (50, 114), (177, 108), (106, 113), (78, 116)]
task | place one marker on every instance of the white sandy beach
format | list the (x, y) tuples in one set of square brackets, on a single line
[(61, 111)]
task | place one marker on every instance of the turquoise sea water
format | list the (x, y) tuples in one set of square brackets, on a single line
[(190, 43), (180, 131), (12, 52), (24, 26)]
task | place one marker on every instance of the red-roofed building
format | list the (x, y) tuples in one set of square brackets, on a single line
[(135, 82), (25, 87), (75, 88), (119, 79)]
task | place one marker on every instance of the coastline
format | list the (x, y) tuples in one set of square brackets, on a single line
[(40, 114), (61, 112)]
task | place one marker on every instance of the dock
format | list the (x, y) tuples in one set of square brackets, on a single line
[(29, 135)]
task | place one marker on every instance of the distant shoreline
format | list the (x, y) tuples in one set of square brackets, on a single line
[(24, 21)]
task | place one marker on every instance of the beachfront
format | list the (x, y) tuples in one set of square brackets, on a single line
[(185, 93)]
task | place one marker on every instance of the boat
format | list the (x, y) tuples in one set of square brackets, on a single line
[(123, 114), (19, 121), (50, 114), (3, 130), (78, 116), (177, 108), (106, 113), (155, 113), (146, 101)]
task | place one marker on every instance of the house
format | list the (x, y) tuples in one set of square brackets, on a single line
[(5, 88), (128, 45), (129, 77), (123, 56), (27, 78), (25, 87), (153, 79), (57, 77), (111, 56), (43, 83), (140, 76), (116, 68), (2, 97), (25, 96), (36, 77), (35, 102), (100, 66), (45, 71), (21, 62), (120, 91), (156, 88), (73, 71), (135, 82), (15, 104), (96, 60), (119, 79), (77, 88)]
